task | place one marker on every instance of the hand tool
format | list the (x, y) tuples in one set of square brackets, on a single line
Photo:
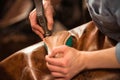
[(43, 23), (41, 17)]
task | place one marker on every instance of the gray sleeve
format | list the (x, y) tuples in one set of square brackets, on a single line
[(114, 7), (118, 52)]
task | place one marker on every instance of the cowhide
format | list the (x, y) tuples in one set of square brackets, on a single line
[(30, 64)]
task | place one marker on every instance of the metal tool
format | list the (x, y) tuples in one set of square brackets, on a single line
[(41, 17)]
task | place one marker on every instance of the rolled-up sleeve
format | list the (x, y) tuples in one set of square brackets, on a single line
[(118, 52)]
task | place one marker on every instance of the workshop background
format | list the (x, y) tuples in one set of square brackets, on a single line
[(15, 29)]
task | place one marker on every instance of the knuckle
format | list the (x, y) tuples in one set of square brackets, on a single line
[(67, 77), (33, 26), (30, 15), (33, 29), (64, 63), (53, 73), (50, 24), (65, 71)]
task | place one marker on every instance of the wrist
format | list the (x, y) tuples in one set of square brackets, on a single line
[(82, 60), (94, 59), (86, 59), (105, 58)]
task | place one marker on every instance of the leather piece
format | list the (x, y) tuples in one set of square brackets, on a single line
[(16, 12), (58, 39), (29, 63), (26, 64)]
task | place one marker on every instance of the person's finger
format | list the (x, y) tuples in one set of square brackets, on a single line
[(54, 68), (54, 61), (59, 79), (33, 21), (58, 51), (38, 33), (48, 10), (38, 28), (33, 18), (58, 75), (49, 19)]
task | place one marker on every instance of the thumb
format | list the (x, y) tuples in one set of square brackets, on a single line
[(58, 52), (48, 9), (50, 21)]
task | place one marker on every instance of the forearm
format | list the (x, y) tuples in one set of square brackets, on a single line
[(101, 59)]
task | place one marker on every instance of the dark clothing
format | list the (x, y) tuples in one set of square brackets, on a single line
[(106, 15)]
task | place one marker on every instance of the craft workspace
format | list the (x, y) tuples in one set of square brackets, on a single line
[(59, 40)]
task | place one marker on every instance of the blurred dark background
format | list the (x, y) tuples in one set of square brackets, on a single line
[(15, 29)]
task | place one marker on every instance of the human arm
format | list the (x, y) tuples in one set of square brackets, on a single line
[(48, 10), (74, 61), (105, 58), (65, 65)]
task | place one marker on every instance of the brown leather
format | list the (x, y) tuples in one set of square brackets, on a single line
[(15, 12), (58, 39), (29, 63), (55, 2)]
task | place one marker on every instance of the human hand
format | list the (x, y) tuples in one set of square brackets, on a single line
[(67, 64), (48, 10)]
